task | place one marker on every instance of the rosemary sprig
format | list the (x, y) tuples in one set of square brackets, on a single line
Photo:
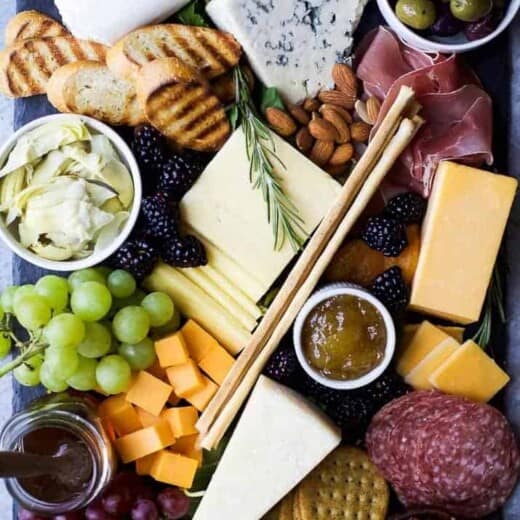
[(282, 214)]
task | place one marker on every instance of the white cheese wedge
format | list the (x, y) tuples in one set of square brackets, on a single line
[(225, 209), (278, 440), (291, 45), (107, 21)]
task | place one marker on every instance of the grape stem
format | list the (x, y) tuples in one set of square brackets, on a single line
[(30, 349)]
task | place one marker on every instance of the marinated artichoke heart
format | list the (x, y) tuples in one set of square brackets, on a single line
[(65, 191)]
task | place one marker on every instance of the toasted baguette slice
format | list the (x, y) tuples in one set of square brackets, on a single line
[(26, 66), (209, 51), (89, 88), (180, 104), (32, 24)]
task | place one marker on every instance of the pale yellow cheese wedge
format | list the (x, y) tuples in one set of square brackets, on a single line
[(469, 372), (419, 377)]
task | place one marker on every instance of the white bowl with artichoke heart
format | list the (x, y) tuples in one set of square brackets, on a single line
[(70, 191)]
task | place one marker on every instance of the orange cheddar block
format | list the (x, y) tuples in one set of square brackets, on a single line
[(147, 419), (174, 469), (120, 414), (217, 363), (112, 404), (149, 393), (172, 350), (202, 397), (144, 442), (198, 341), (186, 378), (158, 371), (182, 420), (188, 446), (144, 464)]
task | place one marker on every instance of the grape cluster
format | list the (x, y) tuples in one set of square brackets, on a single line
[(129, 497), (87, 332)]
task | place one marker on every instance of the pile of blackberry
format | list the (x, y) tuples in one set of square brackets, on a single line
[(166, 178)]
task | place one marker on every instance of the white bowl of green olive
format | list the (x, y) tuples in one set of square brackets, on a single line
[(448, 26)]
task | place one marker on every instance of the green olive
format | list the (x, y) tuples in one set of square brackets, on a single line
[(470, 10), (418, 14)]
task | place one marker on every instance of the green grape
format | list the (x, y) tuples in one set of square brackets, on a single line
[(84, 379), (121, 303), (50, 380), (139, 356), (172, 326), (32, 312), (159, 307), (131, 324), (64, 331), (5, 345), (55, 290), (103, 270), (7, 298), (28, 373), (91, 301), (97, 341), (62, 362), (23, 290), (121, 283), (113, 374), (78, 278)]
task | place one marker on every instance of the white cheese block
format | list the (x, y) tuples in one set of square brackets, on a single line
[(107, 21), (291, 45), (278, 440), (225, 209)]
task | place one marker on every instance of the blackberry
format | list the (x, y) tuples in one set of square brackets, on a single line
[(324, 396), (386, 235), (149, 148), (137, 256), (408, 208), (353, 415), (391, 289), (187, 251), (386, 388), (178, 174), (282, 366), (160, 218)]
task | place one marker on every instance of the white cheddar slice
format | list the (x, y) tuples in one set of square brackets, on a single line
[(279, 439)]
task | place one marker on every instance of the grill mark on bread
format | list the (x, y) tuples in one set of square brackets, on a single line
[(21, 30), (38, 53), (55, 50), (214, 53), (77, 50)]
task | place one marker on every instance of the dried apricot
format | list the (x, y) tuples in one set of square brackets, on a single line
[(408, 259)]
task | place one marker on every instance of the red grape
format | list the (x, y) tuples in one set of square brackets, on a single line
[(69, 516), (28, 515), (174, 503), (144, 510), (144, 491), (96, 512), (117, 500), (127, 480)]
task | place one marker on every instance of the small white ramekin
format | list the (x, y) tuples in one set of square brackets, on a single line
[(127, 157), (446, 45), (323, 294)]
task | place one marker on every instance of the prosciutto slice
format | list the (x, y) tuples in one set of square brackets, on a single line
[(457, 111)]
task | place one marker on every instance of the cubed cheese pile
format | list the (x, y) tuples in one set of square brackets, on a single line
[(433, 357), (150, 427)]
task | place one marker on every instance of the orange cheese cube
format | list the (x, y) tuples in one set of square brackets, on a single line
[(144, 464), (144, 442), (202, 397), (120, 414), (217, 363), (147, 419), (174, 469), (185, 378), (182, 420), (172, 350), (198, 341), (112, 404), (188, 446), (158, 371), (149, 393)]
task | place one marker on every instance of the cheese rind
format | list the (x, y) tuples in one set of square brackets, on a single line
[(462, 231)]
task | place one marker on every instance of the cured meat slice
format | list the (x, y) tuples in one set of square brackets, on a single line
[(445, 452)]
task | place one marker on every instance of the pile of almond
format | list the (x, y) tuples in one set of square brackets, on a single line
[(326, 127)]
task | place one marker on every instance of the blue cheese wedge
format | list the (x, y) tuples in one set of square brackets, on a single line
[(291, 45), (279, 439)]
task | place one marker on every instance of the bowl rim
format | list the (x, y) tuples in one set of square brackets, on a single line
[(126, 156), (323, 294), (411, 38)]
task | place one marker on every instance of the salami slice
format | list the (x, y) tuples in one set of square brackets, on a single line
[(445, 452)]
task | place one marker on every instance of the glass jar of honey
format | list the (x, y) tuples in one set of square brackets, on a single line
[(44, 428)]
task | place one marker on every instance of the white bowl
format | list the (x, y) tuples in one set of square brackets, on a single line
[(97, 257), (449, 44), (325, 293)]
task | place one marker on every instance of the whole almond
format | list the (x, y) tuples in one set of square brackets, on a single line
[(345, 79), (304, 140), (360, 131), (339, 123), (311, 104), (337, 97), (336, 170), (281, 122), (323, 130), (299, 113), (345, 114), (321, 152), (373, 108), (342, 154)]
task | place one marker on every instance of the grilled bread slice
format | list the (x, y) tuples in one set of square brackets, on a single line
[(32, 24), (89, 88), (209, 51), (26, 66), (180, 104)]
